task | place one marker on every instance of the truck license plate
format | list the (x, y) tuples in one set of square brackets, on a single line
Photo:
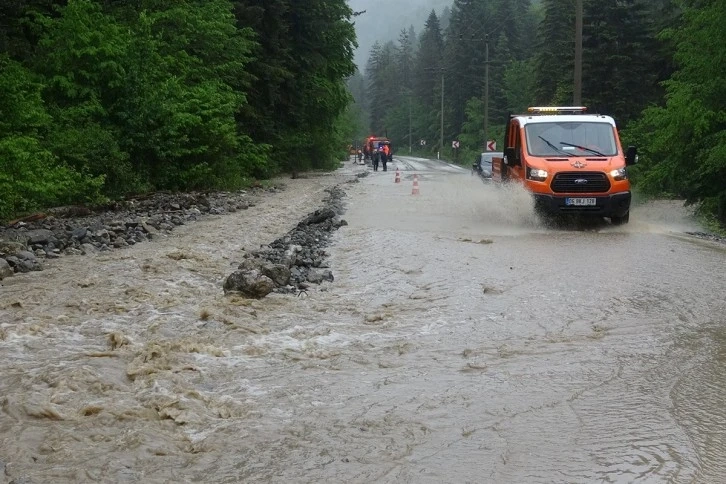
[(580, 202)]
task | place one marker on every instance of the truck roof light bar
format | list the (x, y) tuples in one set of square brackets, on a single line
[(557, 109)]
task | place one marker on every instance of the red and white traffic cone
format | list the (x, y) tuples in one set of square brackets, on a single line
[(398, 176), (415, 185)]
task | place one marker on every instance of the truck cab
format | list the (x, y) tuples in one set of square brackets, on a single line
[(571, 162), (373, 145)]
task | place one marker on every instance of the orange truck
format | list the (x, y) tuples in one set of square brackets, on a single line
[(372, 145), (571, 162)]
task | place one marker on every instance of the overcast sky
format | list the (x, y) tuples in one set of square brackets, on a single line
[(384, 20)]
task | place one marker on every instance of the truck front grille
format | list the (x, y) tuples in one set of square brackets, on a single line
[(580, 182)]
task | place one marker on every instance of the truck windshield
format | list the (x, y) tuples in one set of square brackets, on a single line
[(570, 138)]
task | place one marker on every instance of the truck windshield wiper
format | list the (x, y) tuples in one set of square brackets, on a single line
[(583, 148), (551, 145)]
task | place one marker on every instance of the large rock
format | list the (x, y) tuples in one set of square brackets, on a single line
[(251, 264), (279, 273), (5, 269), (317, 277), (150, 229), (87, 249), (79, 233), (24, 261), (250, 283), (318, 216), (39, 236), (13, 235), (8, 247)]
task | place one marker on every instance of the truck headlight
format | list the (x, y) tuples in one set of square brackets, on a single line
[(619, 174), (537, 174)]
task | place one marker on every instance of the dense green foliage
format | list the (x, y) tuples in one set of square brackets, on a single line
[(684, 141), (657, 66), (101, 99), (30, 175), (105, 99)]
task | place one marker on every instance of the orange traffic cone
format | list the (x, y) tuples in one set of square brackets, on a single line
[(415, 185), (398, 176)]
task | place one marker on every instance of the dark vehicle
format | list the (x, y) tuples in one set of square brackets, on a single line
[(483, 164)]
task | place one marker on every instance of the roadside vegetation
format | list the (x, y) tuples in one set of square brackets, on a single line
[(100, 100), (104, 99), (657, 66)]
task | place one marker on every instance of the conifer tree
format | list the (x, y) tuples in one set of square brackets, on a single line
[(618, 62), (554, 65), (428, 61)]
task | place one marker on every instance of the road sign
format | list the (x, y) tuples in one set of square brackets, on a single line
[(455, 144), (423, 142), (491, 145)]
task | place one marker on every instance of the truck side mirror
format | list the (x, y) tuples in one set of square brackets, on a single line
[(510, 155), (631, 155)]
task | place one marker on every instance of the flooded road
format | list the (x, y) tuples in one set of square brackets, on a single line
[(461, 341)]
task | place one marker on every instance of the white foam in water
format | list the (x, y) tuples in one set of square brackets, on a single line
[(662, 216)]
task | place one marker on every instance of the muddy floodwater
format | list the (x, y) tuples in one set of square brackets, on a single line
[(461, 341)]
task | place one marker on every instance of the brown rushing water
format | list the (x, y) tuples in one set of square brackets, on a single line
[(461, 341)]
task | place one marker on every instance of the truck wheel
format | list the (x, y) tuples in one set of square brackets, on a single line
[(620, 220)]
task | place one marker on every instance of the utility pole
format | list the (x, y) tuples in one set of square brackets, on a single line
[(486, 88), (486, 91), (410, 145), (441, 148), (577, 88), (442, 70)]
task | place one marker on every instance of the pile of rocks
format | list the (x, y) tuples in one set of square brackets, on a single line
[(76, 230), (291, 262), (708, 236), (286, 265)]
